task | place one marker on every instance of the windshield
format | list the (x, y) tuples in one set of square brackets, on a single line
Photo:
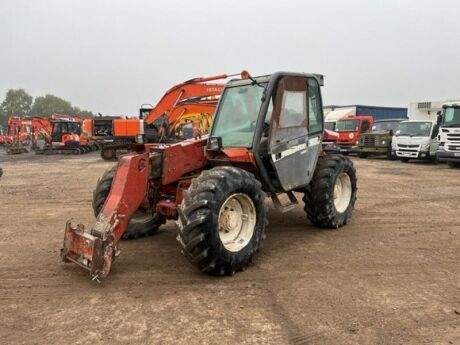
[(66, 127), (414, 129), (451, 117), (329, 125), (237, 114), (347, 125), (385, 126)]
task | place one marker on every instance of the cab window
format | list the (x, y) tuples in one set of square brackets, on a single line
[(315, 123)]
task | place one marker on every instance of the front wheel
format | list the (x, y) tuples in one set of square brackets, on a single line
[(222, 220), (331, 195), (141, 224)]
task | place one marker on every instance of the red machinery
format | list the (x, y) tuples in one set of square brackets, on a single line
[(350, 129), (184, 111), (67, 136), (20, 135), (265, 140)]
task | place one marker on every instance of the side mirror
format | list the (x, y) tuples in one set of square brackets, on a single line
[(439, 118), (398, 132)]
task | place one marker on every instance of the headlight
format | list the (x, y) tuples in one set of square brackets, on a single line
[(383, 142), (424, 147)]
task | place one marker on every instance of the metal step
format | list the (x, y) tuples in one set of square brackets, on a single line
[(283, 208)]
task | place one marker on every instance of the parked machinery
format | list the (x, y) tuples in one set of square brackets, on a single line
[(67, 136), (19, 136), (449, 134), (350, 129), (378, 141), (265, 141), (185, 109), (416, 140)]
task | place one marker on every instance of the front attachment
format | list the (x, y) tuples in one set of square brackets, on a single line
[(88, 250), (95, 249)]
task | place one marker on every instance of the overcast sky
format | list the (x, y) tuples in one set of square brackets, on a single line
[(111, 56)]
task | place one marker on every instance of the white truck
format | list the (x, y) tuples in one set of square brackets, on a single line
[(416, 140), (449, 134)]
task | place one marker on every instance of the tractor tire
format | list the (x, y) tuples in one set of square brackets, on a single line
[(222, 220), (141, 223), (331, 195)]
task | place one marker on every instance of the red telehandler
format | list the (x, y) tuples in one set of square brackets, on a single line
[(183, 112), (265, 140)]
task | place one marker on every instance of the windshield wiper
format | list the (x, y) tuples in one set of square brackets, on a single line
[(255, 82)]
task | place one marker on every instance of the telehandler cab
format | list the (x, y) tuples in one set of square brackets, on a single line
[(265, 140)]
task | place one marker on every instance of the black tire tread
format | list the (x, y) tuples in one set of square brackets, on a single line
[(199, 211), (134, 229), (318, 196)]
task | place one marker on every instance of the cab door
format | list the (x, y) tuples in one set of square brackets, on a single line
[(292, 152)]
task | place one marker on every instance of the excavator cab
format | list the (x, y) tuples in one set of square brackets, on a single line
[(66, 133)]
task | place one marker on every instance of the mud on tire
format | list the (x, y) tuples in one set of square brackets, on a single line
[(203, 241), (141, 224), (319, 195)]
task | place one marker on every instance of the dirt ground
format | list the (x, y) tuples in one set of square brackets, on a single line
[(392, 276)]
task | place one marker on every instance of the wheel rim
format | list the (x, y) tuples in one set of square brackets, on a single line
[(237, 220), (342, 192)]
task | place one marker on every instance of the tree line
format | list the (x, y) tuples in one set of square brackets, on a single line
[(18, 102)]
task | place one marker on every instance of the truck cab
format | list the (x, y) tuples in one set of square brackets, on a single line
[(449, 134), (378, 141), (350, 130), (416, 140)]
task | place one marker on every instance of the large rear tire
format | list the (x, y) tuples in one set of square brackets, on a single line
[(331, 195), (222, 220), (141, 224)]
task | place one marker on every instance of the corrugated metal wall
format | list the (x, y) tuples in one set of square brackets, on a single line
[(381, 113)]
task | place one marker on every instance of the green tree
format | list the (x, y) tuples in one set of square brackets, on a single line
[(17, 102), (49, 104)]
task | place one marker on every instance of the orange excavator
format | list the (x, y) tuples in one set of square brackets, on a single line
[(185, 111), (23, 133), (66, 136)]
